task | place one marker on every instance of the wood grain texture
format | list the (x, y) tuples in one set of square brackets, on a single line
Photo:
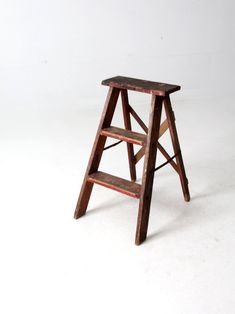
[(148, 170), (115, 183), (176, 146), (167, 156), (149, 142), (96, 152), (155, 88), (141, 152), (127, 124), (138, 119), (125, 135)]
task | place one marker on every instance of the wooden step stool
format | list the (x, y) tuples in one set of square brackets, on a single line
[(149, 145)]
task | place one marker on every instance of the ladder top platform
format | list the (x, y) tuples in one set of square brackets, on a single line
[(155, 88)]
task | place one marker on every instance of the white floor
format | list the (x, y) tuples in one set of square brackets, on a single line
[(51, 263)]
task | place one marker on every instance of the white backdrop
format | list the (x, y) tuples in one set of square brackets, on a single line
[(58, 51)]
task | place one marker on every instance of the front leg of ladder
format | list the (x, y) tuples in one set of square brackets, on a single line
[(148, 171), (96, 152)]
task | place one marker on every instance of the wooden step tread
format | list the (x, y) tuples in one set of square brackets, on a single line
[(156, 88), (125, 135), (115, 183)]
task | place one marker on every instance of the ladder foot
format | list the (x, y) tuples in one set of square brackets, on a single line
[(139, 241), (187, 197), (78, 215), (140, 238)]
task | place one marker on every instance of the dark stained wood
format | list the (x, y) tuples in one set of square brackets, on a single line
[(125, 135), (176, 147), (163, 128), (96, 152), (127, 124), (167, 156), (115, 183), (155, 88), (138, 119), (160, 93), (148, 171), (164, 153)]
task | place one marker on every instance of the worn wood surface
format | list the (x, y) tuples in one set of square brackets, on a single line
[(176, 147), (138, 119), (155, 88), (148, 170), (125, 135), (163, 128), (96, 152), (141, 152), (115, 183), (127, 124), (167, 156), (160, 93)]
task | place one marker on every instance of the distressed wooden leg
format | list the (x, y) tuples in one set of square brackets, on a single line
[(148, 171), (127, 123), (97, 151), (176, 147)]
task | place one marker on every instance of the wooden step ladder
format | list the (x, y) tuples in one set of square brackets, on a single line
[(149, 143)]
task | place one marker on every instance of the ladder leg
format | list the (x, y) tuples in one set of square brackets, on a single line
[(127, 123), (148, 171), (176, 146), (96, 152)]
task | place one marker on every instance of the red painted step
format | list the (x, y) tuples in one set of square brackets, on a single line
[(125, 135), (115, 183)]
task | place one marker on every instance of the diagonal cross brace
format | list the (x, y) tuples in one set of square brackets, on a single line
[(163, 128)]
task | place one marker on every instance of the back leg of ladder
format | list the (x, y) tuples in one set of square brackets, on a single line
[(176, 146), (96, 152), (127, 123), (148, 171)]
